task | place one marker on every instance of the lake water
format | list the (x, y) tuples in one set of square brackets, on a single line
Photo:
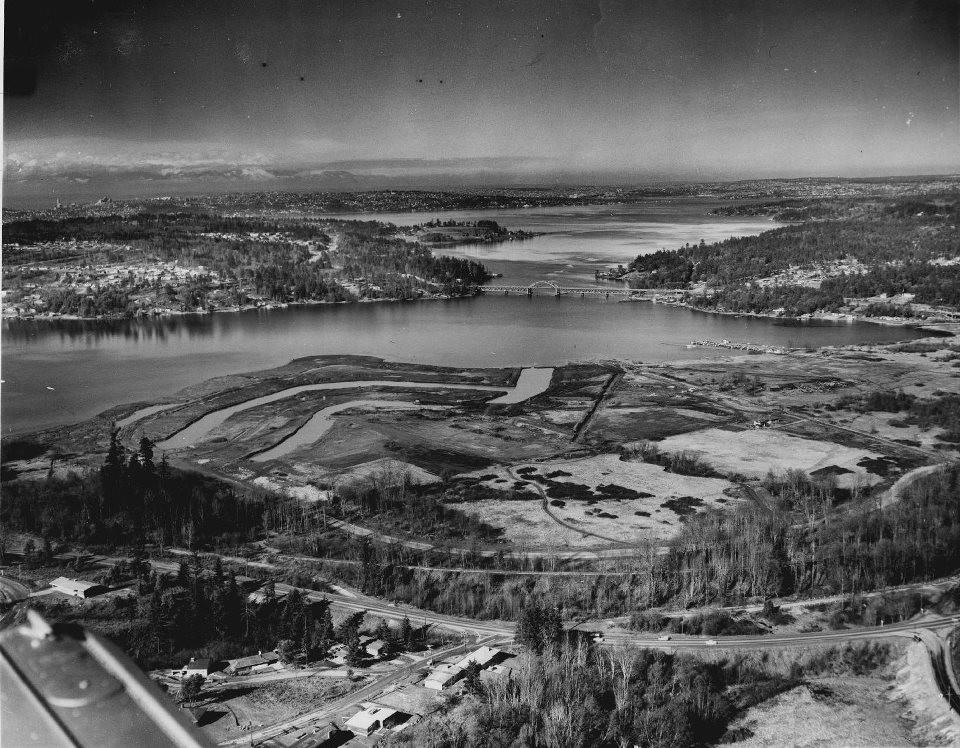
[(577, 240), (65, 371)]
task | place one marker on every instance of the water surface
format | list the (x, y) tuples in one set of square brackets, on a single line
[(65, 371), (61, 372)]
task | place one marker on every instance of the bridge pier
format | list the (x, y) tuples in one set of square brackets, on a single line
[(529, 292)]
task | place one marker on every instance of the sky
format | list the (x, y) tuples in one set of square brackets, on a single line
[(151, 96)]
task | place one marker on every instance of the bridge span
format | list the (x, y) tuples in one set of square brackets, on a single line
[(558, 290)]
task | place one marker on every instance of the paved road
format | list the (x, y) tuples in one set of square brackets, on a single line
[(355, 601), (488, 631), (778, 641)]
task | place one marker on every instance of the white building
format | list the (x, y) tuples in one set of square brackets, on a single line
[(367, 721), (482, 657), (201, 667), (77, 587)]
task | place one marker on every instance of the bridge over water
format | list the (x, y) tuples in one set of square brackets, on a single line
[(557, 290)]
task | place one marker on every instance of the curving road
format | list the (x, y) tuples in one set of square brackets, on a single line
[(357, 601)]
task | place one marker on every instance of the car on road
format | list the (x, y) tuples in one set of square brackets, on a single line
[(664, 638), (711, 642)]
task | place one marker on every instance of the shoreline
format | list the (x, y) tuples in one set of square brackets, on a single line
[(827, 317), (230, 310), (830, 317)]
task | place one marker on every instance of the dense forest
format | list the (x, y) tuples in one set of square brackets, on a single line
[(133, 500), (897, 241), (572, 695)]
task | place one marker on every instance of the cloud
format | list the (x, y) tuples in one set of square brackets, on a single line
[(75, 159), (69, 158)]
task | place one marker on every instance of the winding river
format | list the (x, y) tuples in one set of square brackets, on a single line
[(531, 382)]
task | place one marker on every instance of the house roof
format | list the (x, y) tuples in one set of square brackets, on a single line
[(366, 718), (481, 656), (203, 663), (443, 674), (411, 700), (249, 661), (74, 585)]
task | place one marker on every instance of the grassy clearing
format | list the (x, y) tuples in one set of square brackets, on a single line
[(756, 452)]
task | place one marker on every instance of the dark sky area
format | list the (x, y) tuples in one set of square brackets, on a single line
[(267, 90)]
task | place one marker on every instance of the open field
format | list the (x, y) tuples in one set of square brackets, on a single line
[(623, 501), (849, 711), (755, 453), (251, 707)]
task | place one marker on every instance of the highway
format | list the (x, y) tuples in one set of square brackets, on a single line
[(933, 630), (778, 641), (356, 601)]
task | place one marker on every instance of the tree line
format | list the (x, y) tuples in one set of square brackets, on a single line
[(132, 499)]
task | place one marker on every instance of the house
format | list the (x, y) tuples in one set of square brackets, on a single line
[(413, 700), (372, 718), (252, 663), (482, 657), (330, 736), (203, 667), (77, 587), (443, 676), (268, 661), (242, 665)]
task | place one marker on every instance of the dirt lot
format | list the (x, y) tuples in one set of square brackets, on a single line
[(254, 707), (848, 711)]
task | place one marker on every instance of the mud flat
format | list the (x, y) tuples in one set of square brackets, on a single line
[(527, 387)]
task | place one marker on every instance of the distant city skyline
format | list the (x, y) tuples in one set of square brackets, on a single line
[(139, 98)]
